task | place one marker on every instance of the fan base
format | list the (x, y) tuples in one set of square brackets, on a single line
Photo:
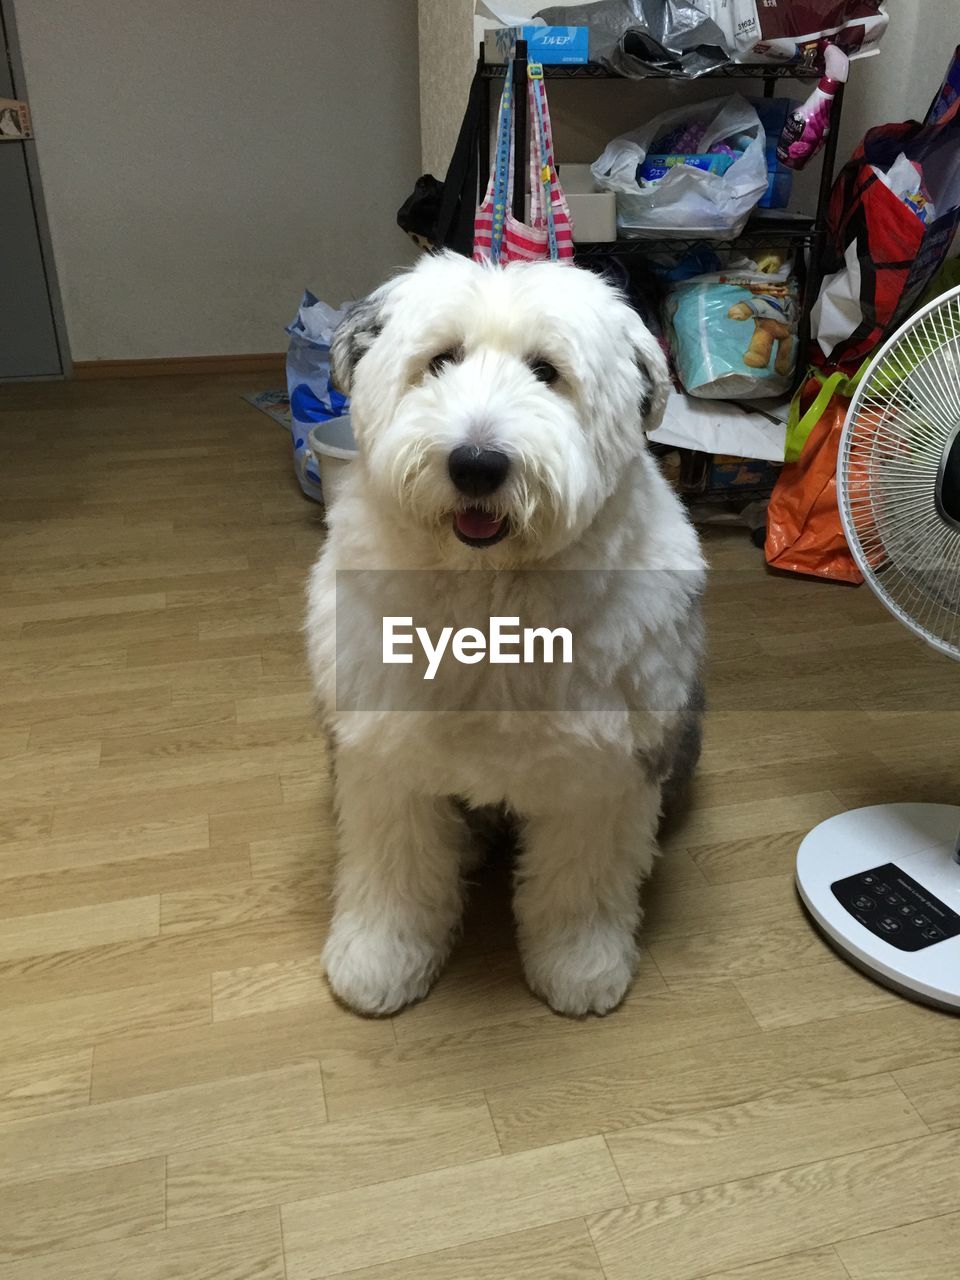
[(883, 886)]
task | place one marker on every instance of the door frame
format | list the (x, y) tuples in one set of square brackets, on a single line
[(8, 36)]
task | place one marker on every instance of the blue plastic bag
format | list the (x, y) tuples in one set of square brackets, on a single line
[(313, 398)]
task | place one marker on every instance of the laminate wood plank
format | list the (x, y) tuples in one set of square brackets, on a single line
[(288, 858), (445, 1208), (171, 1059), (105, 845), (614, 1094), (932, 1088), (168, 958), (35, 1086), (80, 1019), (78, 718), (560, 1251), (799, 811), (76, 928), (276, 820), (276, 707), (815, 1264), (699, 907), (173, 744), (747, 856), (79, 1209), (283, 984), (118, 568), (245, 1247), (163, 715), (23, 824), (318, 1160), (925, 1250), (13, 742), (184, 801), (758, 1218), (109, 1133), (830, 989), (787, 1128), (100, 631), (479, 1057), (478, 990), (200, 870), (307, 896), (739, 953)]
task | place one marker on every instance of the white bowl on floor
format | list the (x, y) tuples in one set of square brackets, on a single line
[(333, 447)]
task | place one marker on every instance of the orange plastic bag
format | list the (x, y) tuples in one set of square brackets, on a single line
[(804, 534)]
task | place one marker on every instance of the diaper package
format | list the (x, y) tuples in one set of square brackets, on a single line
[(734, 333)]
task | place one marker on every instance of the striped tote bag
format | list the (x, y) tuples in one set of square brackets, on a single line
[(499, 236)]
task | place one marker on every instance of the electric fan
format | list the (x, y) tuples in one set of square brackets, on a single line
[(883, 883)]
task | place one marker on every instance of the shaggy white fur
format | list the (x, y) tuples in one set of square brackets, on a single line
[(547, 365)]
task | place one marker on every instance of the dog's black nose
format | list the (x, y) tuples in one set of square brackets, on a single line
[(477, 472)]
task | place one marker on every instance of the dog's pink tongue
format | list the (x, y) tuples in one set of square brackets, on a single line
[(477, 523)]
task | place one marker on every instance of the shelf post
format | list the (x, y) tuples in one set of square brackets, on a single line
[(484, 139), (520, 110)]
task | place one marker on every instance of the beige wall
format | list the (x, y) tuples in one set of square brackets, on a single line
[(203, 160), (447, 59)]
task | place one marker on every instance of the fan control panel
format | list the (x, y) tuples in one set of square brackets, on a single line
[(894, 907)]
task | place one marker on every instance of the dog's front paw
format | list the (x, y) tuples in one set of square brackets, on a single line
[(589, 972), (375, 971)]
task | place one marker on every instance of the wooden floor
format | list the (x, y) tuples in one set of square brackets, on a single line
[(179, 1095)]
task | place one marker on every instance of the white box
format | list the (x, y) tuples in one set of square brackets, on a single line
[(594, 212)]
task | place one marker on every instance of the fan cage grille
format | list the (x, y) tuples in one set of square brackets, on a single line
[(900, 424)]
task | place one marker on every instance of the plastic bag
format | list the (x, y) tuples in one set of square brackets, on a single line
[(636, 37), (880, 252), (734, 334), (313, 398), (761, 31), (688, 201), (804, 532), (643, 37)]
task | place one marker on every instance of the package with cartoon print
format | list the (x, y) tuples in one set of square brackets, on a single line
[(733, 334)]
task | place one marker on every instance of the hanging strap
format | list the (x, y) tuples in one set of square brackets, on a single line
[(503, 165), (799, 428), (541, 160), (454, 225)]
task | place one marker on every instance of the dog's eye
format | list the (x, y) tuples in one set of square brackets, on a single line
[(543, 371), (453, 356)]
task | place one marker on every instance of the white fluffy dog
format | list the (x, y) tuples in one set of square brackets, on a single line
[(499, 415)]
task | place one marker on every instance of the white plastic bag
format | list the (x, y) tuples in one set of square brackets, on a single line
[(766, 31), (688, 201)]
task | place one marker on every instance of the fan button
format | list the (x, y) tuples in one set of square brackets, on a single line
[(863, 902)]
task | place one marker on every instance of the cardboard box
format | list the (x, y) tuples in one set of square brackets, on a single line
[(14, 120), (553, 46)]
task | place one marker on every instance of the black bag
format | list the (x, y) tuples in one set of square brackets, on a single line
[(439, 215)]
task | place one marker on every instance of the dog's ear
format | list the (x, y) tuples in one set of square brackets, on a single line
[(646, 391), (654, 377), (354, 336)]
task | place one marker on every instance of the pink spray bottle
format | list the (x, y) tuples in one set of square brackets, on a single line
[(806, 128)]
